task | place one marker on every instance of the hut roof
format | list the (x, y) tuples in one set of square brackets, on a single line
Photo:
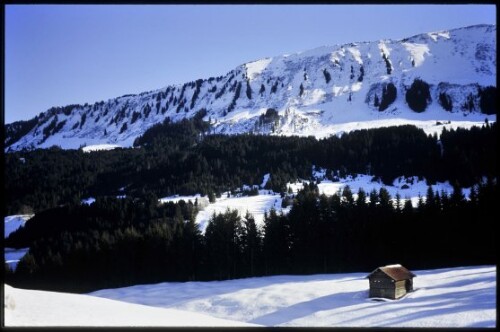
[(396, 272)]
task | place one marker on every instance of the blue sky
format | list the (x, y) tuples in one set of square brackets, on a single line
[(57, 55)]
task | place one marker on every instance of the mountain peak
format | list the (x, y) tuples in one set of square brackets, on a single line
[(323, 91)]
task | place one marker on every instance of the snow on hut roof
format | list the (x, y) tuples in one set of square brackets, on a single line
[(396, 272)]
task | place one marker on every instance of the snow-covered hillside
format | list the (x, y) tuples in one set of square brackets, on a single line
[(408, 189), (12, 223), (450, 297), (40, 308), (324, 91)]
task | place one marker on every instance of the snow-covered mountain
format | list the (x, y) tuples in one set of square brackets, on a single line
[(450, 297), (324, 91)]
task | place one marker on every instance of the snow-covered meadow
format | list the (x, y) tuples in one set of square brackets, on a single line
[(448, 297), (257, 206), (408, 188), (41, 308)]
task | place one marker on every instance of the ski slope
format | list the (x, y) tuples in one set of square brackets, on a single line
[(448, 297)]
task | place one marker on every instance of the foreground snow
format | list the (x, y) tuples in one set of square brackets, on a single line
[(40, 308), (452, 297)]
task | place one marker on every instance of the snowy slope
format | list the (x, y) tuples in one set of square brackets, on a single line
[(324, 91), (408, 188), (12, 223), (41, 308), (12, 256), (451, 297), (255, 205)]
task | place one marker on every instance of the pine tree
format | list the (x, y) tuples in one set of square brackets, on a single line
[(249, 90), (123, 128), (361, 200), (408, 207), (374, 198), (251, 243), (361, 73), (418, 95), (457, 197), (430, 199), (327, 75), (262, 89), (398, 203), (347, 196), (384, 198)]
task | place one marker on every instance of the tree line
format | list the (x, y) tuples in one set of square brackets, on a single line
[(121, 242), (180, 158)]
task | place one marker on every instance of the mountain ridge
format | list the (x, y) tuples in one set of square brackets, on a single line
[(323, 91)]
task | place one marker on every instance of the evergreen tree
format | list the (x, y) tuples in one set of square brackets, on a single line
[(487, 101), (418, 95), (398, 203), (408, 207), (445, 101), (361, 200), (389, 93), (262, 89), (374, 199), (251, 244), (249, 90), (361, 73), (327, 75), (385, 198), (123, 128)]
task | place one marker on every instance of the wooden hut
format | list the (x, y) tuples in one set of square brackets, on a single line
[(390, 281)]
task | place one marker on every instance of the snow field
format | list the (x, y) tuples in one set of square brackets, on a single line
[(41, 308), (451, 297), (266, 200), (255, 205)]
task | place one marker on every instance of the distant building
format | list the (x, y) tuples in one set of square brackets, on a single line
[(390, 282)]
